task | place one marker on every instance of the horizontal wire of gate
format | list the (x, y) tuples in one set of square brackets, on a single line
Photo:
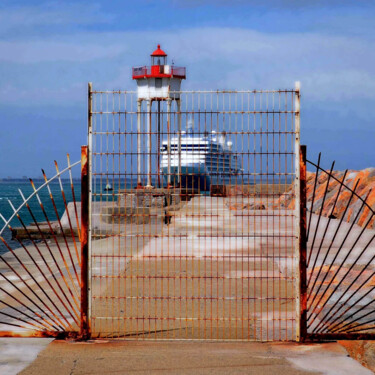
[(341, 252), (189, 237), (40, 259)]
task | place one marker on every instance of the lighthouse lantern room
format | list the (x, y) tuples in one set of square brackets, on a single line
[(159, 81)]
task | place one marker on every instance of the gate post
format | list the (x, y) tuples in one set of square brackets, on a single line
[(85, 217), (303, 247), (85, 326)]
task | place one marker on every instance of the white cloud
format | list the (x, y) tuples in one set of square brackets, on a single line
[(272, 3), (331, 68), (51, 13), (37, 51)]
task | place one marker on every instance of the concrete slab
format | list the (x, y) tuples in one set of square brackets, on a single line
[(124, 357), (18, 353)]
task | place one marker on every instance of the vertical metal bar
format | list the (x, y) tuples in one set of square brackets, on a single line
[(85, 324), (158, 145), (149, 171), (86, 199), (169, 103), (73, 196), (297, 185), (179, 139), (92, 125), (303, 246), (139, 147)]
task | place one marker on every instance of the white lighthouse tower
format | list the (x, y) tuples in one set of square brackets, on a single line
[(157, 82)]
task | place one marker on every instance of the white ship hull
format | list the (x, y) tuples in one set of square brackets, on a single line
[(205, 161)]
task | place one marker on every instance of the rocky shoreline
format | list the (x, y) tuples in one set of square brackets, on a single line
[(364, 183)]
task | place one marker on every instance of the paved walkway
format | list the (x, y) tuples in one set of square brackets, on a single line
[(214, 273), (132, 357), (17, 353)]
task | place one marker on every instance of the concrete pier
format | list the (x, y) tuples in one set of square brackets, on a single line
[(206, 237)]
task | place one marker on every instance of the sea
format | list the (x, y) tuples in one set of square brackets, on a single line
[(9, 191)]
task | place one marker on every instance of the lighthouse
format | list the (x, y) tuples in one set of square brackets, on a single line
[(157, 82)]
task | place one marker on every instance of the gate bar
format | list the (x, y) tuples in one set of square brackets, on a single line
[(320, 337), (297, 205), (85, 326), (303, 246)]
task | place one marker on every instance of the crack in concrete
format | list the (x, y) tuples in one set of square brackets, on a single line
[(73, 367)]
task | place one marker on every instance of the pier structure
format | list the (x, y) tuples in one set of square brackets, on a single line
[(157, 82)]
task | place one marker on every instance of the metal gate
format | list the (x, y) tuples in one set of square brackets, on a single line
[(338, 263), (197, 220), (189, 236)]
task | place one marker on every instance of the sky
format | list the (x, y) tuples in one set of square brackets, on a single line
[(49, 51)]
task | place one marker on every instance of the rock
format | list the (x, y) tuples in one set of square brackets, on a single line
[(336, 199), (245, 206)]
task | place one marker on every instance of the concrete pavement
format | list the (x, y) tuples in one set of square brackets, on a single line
[(135, 357), (18, 353)]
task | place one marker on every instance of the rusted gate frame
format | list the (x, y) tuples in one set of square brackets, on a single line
[(304, 257), (305, 283), (85, 196), (293, 113), (333, 327), (302, 246), (37, 310), (304, 229), (84, 303)]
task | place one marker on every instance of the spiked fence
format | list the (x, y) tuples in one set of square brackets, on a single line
[(40, 269), (340, 257)]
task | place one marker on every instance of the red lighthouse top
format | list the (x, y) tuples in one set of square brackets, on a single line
[(158, 52), (159, 68)]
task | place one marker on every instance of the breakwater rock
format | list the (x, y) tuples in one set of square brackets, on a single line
[(362, 181)]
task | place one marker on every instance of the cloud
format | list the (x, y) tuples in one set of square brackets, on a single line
[(24, 18), (48, 53), (37, 51), (273, 3), (332, 69)]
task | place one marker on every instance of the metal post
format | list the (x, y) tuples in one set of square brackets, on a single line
[(85, 324), (158, 146), (169, 103), (149, 171), (303, 246), (179, 140), (297, 185), (139, 159)]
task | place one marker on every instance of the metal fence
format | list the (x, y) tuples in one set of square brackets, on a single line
[(40, 259), (198, 220), (340, 272), (189, 234)]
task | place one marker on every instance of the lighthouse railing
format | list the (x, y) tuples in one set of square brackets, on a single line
[(142, 71)]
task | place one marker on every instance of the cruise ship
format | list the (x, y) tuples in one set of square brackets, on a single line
[(206, 159)]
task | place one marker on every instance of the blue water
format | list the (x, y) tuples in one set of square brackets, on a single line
[(9, 191)]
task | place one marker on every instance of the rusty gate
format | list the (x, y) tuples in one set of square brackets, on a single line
[(197, 220), (189, 236)]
